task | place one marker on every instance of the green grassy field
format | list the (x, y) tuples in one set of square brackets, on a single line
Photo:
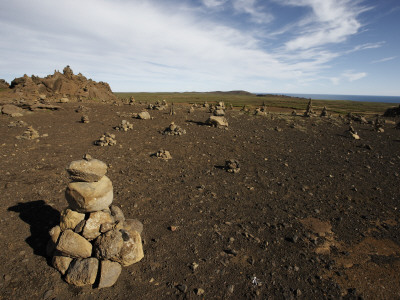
[(251, 100)]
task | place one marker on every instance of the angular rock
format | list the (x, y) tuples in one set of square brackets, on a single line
[(61, 263), (74, 245), (109, 273), (82, 271), (132, 249), (133, 225), (90, 196), (117, 213), (217, 121), (87, 170), (109, 245), (144, 115), (69, 219), (92, 225)]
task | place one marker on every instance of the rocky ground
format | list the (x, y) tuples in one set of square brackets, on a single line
[(311, 214)]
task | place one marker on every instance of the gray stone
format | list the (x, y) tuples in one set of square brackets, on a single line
[(217, 121), (90, 196), (82, 271), (144, 115), (61, 263), (109, 245), (93, 223), (69, 219), (133, 224), (132, 249), (87, 170), (117, 213), (74, 245), (109, 273)]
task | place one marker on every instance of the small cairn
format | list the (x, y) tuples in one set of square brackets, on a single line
[(173, 129), (232, 166), (162, 154), (131, 100), (18, 123), (85, 119), (124, 126), (159, 105), (294, 113), (324, 112), (260, 112), (93, 240), (309, 111), (29, 134), (172, 109), (107, 139), (378, 124), (219, 109)]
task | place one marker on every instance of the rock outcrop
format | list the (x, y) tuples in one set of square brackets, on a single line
[(61, 86)]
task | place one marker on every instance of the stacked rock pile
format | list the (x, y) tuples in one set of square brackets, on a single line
[(29, 134), (219, 109), (85, 119), (163, 154), (309, 110), (93, 240), (125, 126), (173, 129), (107, 139), (324, 112), (232, 166)]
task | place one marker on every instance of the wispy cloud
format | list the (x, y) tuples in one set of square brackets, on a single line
[(250, 7), (353, 76), (213, 3), (383, 59)]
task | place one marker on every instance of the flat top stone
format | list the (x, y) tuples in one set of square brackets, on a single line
[(87, 170)]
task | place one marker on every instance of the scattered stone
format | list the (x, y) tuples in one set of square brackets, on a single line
[(199, 291), (107, 139), (85, 119), (74, 245), (163, 154), (70, 219), (357, 118), (81, 108), (232, 166), (109, 273), (124, 126), (173, 129), (90, 196), (88, 170), (182, 287), (12, 110), (18, 123), (144, 115), (29, 134), (217, 121), (64, 100), (82, 271), (231, 288), (352, 133), (173, 228)]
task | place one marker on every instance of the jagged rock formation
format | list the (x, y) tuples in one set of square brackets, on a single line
[(61, 85)]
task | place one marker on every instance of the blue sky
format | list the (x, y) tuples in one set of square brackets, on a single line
[(276, 46)]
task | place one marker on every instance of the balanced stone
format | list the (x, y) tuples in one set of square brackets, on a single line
[(69, 219), (82, 271), (74, 245), (61, 263), (92, 225), (90, 196), (109, 273), (87, 170)]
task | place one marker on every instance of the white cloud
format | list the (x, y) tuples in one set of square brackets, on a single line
[(213, 3), (383, 59), (331, 21), (352, 76), (250, 7)]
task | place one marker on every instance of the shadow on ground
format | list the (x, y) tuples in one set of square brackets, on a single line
[(41, 218)]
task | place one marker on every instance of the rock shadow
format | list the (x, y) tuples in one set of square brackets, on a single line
[(197, 122), (41, 218)]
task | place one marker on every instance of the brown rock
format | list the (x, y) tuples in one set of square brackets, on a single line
[(132, 249), (109, 245), (109, 273), (117, 213), (55, 234), (217, 121), (144, 115), (12, 110), (82, 271), (74, 245), (90, 196), (133, 225), (87, 170)]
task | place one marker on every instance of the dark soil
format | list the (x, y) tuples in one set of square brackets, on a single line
[(312, 214)]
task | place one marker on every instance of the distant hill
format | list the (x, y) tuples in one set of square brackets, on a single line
[(239, 92)]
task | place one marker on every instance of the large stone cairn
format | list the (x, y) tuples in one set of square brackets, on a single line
[(93, 240)]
